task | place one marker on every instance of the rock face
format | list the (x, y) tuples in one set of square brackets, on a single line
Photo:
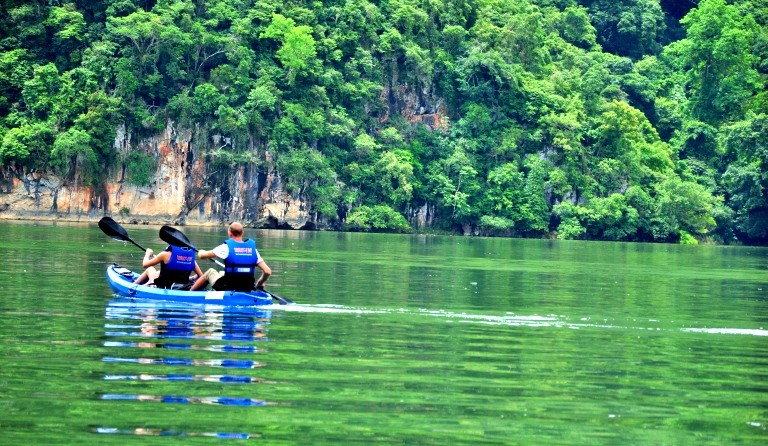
[(182, 191), (417, 105), (187, 189)]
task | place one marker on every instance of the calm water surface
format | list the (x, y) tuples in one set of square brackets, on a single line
[(395, 339)]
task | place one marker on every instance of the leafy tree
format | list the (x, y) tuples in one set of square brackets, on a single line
[(14, 70), (298, 45), (28, 145), (365, 146), (259, 109), (73, 154), (68, 22), (609, 218), (718, 60), (537, 209), (24, 28), (697, 139), (627, 136), (628, 27), (394, 175), (379, 218), (454, 185), (576, 28), (140, 168), (307, 172), (40, 92), (570, 216), (746, 180), (505, 194), (683, 206)]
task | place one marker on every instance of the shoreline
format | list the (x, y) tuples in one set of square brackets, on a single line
[(87, 218), (148, 221)]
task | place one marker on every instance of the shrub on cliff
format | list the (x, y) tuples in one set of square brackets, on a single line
[(376, 219)]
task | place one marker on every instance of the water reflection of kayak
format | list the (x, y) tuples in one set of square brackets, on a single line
[(225, 363), (166, 351), (131, 317), (121, 281), (225, 401)]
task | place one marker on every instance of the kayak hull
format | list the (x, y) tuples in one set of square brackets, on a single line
[(121, 281)]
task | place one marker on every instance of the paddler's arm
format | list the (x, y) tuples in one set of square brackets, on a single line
[(221, 251), (198, 271), (151, 261), (203, 254), (265, 273)]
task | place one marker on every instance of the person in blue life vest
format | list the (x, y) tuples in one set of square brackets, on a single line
[(241, 258), (176, 266)]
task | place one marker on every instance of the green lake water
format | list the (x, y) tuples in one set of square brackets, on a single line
[(394, 339)]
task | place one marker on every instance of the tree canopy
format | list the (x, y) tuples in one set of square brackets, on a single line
[(635, 120)]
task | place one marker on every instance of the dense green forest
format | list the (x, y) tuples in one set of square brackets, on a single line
[(637, 120)]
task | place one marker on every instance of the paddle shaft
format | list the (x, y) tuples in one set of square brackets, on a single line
[(209, 258), (137, 245)]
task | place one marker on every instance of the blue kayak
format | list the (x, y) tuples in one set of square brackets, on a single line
[(121, 281)]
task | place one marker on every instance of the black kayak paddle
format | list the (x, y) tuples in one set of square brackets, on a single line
[(174, 237), (114, 230)]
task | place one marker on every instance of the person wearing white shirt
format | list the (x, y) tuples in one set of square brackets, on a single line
[(241, 258)]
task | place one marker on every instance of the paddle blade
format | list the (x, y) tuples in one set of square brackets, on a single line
[(175, 237), (113, 229), (281, 300)]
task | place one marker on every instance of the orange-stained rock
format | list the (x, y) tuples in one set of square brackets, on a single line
[(182, 190)]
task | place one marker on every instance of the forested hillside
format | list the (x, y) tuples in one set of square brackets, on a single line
[(637, 120)]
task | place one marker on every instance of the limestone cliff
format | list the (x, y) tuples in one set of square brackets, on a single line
[(183, 190), (190, 186)]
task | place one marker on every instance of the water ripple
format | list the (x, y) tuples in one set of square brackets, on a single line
[(225, 363), (171, 399), (154, 432), (511, 319), (226, 379), (172, 346), (202, 336), (736, 331)]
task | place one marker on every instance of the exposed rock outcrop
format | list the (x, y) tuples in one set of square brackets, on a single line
[(183, 190), (190, 186)]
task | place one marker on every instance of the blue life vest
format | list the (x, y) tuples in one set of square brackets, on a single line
[(239, 266), (182, 259), (180, 264)]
